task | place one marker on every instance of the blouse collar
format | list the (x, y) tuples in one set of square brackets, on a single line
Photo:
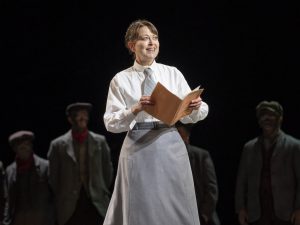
[(141, 68)]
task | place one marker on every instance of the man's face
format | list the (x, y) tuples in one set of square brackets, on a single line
[(269, 121), (23, 149), (80, 120)]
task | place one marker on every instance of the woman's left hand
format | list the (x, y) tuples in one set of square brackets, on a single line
[(195, 104)]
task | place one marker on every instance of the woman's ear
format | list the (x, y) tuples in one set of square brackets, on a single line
[(131, 45)]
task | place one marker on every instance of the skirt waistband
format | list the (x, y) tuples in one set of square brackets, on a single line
[(150, 126)]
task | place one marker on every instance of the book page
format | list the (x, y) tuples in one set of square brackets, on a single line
[(184, 109)]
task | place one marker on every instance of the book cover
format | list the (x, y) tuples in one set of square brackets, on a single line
[(168, 107)]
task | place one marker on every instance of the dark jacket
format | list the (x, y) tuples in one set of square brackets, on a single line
[(64, 177), (205, 181), (39, 191), (285, 177)]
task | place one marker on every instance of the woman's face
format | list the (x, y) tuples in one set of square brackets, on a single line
[(146, 47)]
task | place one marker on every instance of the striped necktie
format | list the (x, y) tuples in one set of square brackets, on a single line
[(149, 83)]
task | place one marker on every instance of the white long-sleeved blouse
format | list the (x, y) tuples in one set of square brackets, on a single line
[(125, 91)]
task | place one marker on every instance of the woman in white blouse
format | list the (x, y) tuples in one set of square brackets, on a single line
[(154, 184)]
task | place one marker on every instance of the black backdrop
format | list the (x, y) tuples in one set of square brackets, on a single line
[(58, 52)]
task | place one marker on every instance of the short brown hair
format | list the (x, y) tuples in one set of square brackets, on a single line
[(133, 30)]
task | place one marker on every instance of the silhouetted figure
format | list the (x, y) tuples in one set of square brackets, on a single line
[(205, 179), (268, 181), (154, 183), (27, 192), (80, 171)]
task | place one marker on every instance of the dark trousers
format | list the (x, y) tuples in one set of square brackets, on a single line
[(85, 212)]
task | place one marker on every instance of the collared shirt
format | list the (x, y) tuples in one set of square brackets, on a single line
[(125, 91)]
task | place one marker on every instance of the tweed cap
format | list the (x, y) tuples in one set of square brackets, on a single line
[(271, 106), (78, 106), (20, 136)]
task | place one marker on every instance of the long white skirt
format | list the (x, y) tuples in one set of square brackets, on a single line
[(154, 183)]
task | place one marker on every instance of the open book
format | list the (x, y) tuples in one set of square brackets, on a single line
[(168, 107)]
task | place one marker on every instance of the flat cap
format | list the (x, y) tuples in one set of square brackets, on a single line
[(78, 106), (271, 106), (20, 136)]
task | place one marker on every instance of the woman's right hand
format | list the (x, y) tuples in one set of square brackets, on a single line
[(140, 106)]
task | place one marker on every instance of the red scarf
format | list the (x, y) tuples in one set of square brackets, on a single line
[(24, 165), (80, 136)]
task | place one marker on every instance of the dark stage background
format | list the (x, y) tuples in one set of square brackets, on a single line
[(58, 52)]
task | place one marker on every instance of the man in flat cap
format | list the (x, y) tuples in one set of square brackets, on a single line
[(268, 180), (28, 197), (80, 171)]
